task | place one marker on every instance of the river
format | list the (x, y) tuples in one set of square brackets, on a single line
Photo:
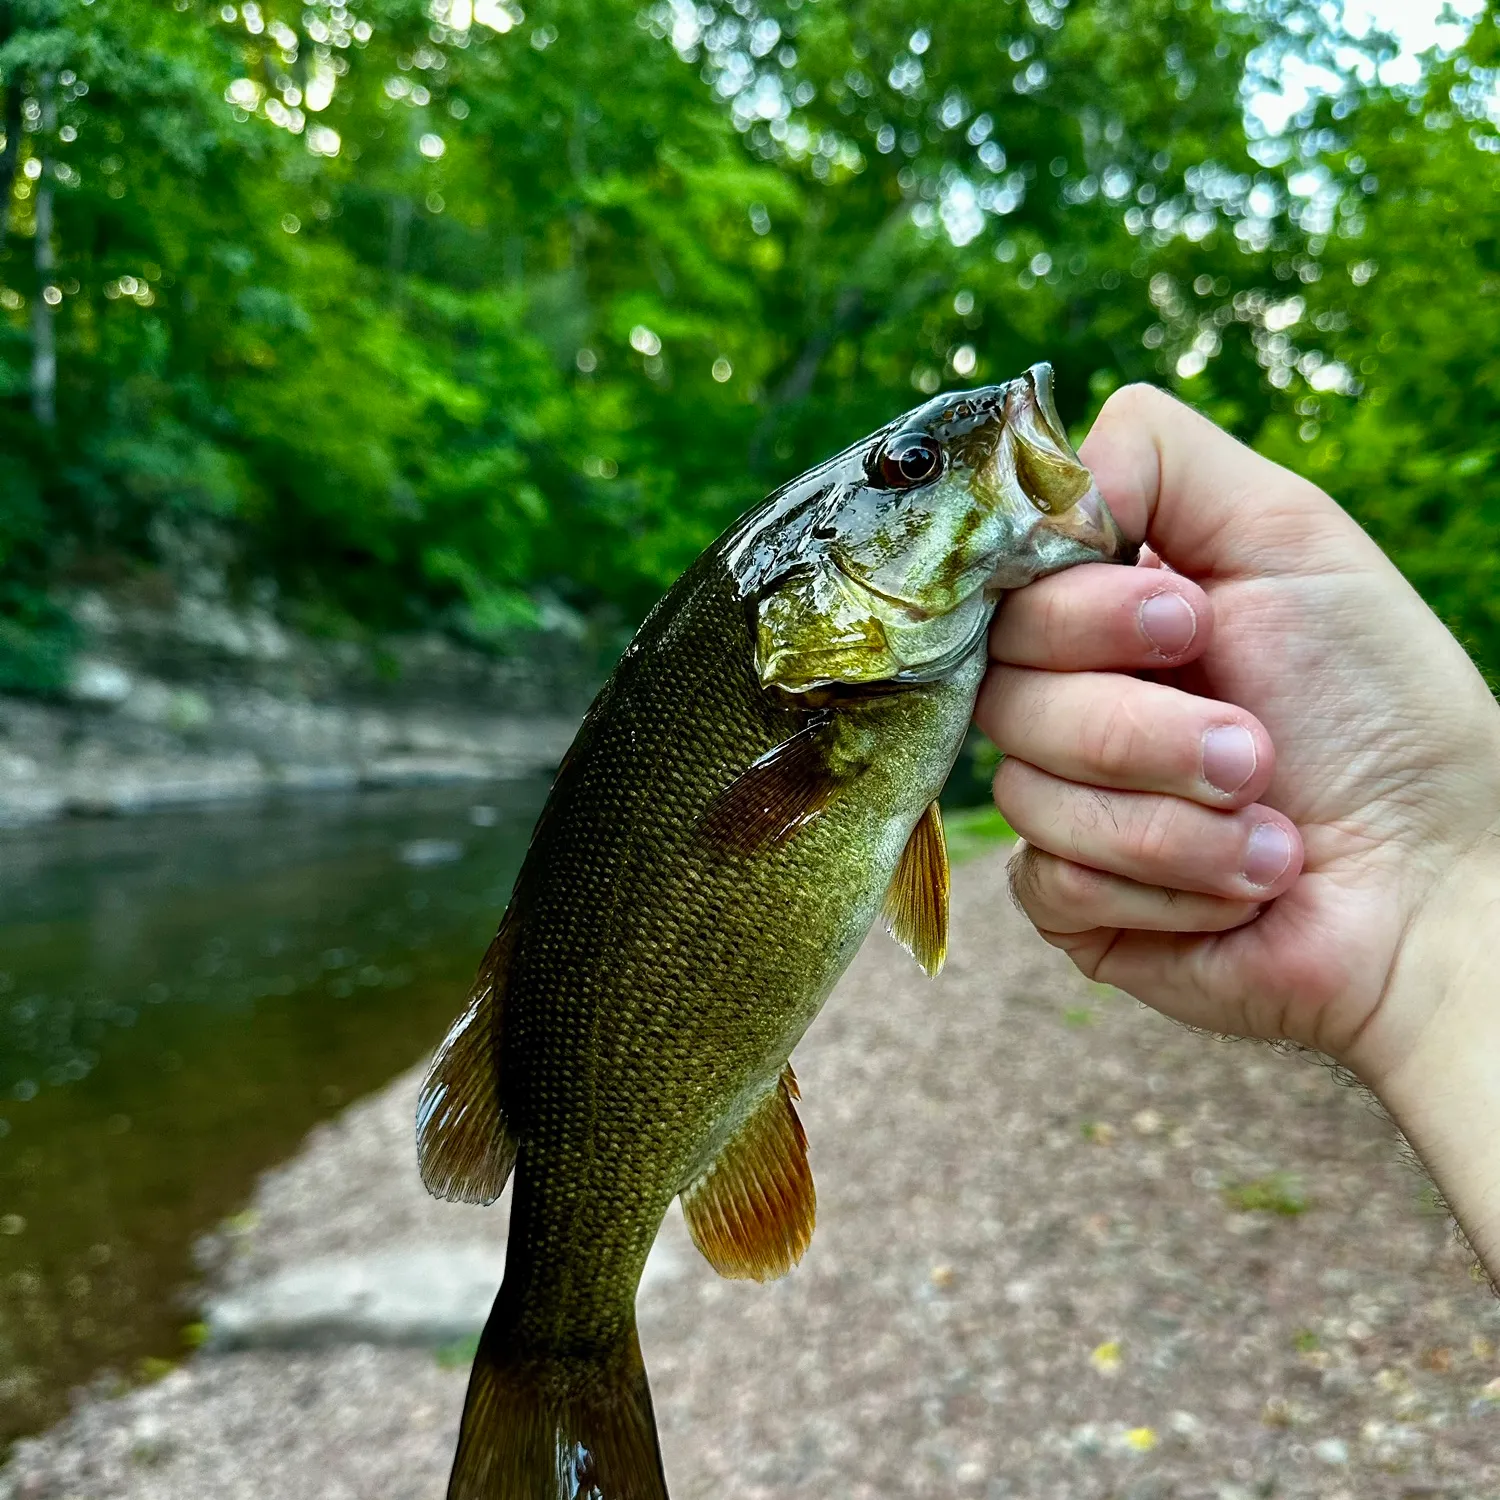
[(182, 996)]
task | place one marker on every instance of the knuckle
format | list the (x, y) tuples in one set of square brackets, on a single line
[(1023, 875), (1076, 886), (1157, 832), (1010, 781), (1115, 741), (1091, 811), (1054, 616), (1133, 401)]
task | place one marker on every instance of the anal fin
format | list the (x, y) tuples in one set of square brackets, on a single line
[(464, 1150), (916, 902), (752, 1212)]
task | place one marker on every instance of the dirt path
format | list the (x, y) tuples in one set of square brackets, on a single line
[(1040, 1270)]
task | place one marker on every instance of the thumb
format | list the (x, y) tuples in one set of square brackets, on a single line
[(1206, 503)]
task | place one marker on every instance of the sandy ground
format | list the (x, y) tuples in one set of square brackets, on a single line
[(1039, 1271)]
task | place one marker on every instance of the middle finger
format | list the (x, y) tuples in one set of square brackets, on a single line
[(1105, 729)]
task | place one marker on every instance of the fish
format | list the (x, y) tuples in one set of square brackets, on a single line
[(754, 785)]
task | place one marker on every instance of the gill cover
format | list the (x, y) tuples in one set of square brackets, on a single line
[(883, 565)]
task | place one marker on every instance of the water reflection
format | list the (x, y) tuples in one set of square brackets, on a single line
[(181, 997)]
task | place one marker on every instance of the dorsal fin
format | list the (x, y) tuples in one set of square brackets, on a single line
[(775, 796), (752, 1212), (916, 902), (464, 1149)]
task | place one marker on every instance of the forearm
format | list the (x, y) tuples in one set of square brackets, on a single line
[(1443, 1090)]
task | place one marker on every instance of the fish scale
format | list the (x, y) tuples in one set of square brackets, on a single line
[(759, 774), (721, 965)]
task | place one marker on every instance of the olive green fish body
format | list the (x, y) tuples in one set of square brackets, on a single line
[(756, 781), (659, 984)]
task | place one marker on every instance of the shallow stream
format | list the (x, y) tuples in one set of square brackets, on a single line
[(181, 997)]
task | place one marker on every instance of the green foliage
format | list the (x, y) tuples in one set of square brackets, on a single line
[(439, 315), (1380, 339), (457, 1354), (1409, 302), (35, 638), (972, 831), (1279, 1193)]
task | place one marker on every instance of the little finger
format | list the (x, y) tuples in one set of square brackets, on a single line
[(1060, 896)]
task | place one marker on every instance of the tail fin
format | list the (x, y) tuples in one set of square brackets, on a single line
[(556, 1426)]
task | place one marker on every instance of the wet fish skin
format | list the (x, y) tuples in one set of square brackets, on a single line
[(756, 779)]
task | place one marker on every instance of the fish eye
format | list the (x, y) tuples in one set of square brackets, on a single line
[(906, 461)]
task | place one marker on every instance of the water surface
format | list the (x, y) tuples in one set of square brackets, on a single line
[(181, 997)]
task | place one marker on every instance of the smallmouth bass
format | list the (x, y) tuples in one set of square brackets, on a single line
[(756, 781)]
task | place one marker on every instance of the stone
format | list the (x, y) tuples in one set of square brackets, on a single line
[(1333, 1451), (420, 853), (393, 1297), (94, 680), (418, 1295)]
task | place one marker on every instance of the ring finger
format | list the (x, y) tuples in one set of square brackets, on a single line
[(1251, 854)]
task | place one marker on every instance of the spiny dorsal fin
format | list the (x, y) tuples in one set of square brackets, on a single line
[(775, 796), (916, 902), (752, 1212), (464, 1150)]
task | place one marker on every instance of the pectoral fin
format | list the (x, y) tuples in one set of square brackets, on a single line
[(775, 796), (916, 902), (751, 1213), (464, 1150)]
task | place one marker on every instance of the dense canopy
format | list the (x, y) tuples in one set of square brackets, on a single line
[(449, 315)]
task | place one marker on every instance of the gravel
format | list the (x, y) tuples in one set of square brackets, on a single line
[(1065, 1248)]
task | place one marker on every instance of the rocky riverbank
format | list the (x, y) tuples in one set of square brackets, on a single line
[(70, 759), (1065, 1249), (196, 701)]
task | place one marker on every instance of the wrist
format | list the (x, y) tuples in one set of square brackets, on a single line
[(1432, 1053)]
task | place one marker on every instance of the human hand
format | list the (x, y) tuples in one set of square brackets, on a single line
[(1311, 894)]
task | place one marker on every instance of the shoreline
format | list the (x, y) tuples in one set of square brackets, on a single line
[(1063, 1245), (202, 702), (67, 761)]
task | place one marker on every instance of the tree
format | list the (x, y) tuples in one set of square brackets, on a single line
[(446, 315)]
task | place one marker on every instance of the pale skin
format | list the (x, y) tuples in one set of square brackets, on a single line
[(1288, 829)]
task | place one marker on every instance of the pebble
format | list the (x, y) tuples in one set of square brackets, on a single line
[(1331, 1451), (929, 1121)]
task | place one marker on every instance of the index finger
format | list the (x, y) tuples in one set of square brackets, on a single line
[(1102, 617)]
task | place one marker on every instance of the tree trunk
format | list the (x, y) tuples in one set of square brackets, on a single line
[(10, 123), (43, 334)]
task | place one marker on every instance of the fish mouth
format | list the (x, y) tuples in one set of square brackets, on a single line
[(1072, 521), (1090, 524)]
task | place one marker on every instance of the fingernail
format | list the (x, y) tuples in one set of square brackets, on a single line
[(1228, 757), (1268, 852), (1168, 623)]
